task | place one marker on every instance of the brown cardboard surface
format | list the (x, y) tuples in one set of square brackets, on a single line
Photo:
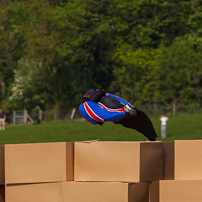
[(69, 161), (176, 191), (2, 193), (78, 192), (154, 192), (1, 199), (31, 163), (151, 161), (188, 161), (138, 192), (2, 171), (168, 160), (118, 161), (106, 192), (42, 192)]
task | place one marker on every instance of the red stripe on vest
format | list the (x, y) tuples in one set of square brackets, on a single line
[(92, 114)]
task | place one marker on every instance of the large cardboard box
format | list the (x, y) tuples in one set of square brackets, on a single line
[(2, 172), (168, 160), (38, 162), (106, 192), (118, 161), (41, 192), (188, 160), (176, 191), (78, 192), (2, 193)]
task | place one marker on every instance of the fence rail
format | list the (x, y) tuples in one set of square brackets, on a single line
[(24, 116), (73, 113)]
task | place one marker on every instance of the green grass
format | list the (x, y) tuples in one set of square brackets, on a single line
[(179, 127)]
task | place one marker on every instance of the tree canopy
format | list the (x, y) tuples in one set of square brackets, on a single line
[(147, 51)]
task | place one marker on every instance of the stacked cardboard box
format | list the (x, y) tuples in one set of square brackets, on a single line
[(81, 171), (118, 161), (187, 183), (129, 165), (40, 168), (78, 191), (102, 171)]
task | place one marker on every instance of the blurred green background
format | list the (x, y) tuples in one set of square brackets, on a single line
[(179, 127)]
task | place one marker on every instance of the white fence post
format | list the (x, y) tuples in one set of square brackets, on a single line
[(73, 113)]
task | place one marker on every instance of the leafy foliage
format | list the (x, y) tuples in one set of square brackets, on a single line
[(145, 51), (26, 83)]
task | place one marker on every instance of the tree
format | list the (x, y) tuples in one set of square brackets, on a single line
[(135, 72), (26, 86), (111, 44), (12, 16), (141, 27), (178, 65)]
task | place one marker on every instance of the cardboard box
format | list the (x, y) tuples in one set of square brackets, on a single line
[(106, 192), (78, 192), (188, 161), (176, 191), (118, 161), (168, 160), (42, 192), (2, 171), (40, 162), (2, 193)]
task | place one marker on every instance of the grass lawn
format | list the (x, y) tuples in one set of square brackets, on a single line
[(182, 126)]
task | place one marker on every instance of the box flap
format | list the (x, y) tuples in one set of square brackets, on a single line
[(154, 192), (150, 161), (168, 160), (70, 161)]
